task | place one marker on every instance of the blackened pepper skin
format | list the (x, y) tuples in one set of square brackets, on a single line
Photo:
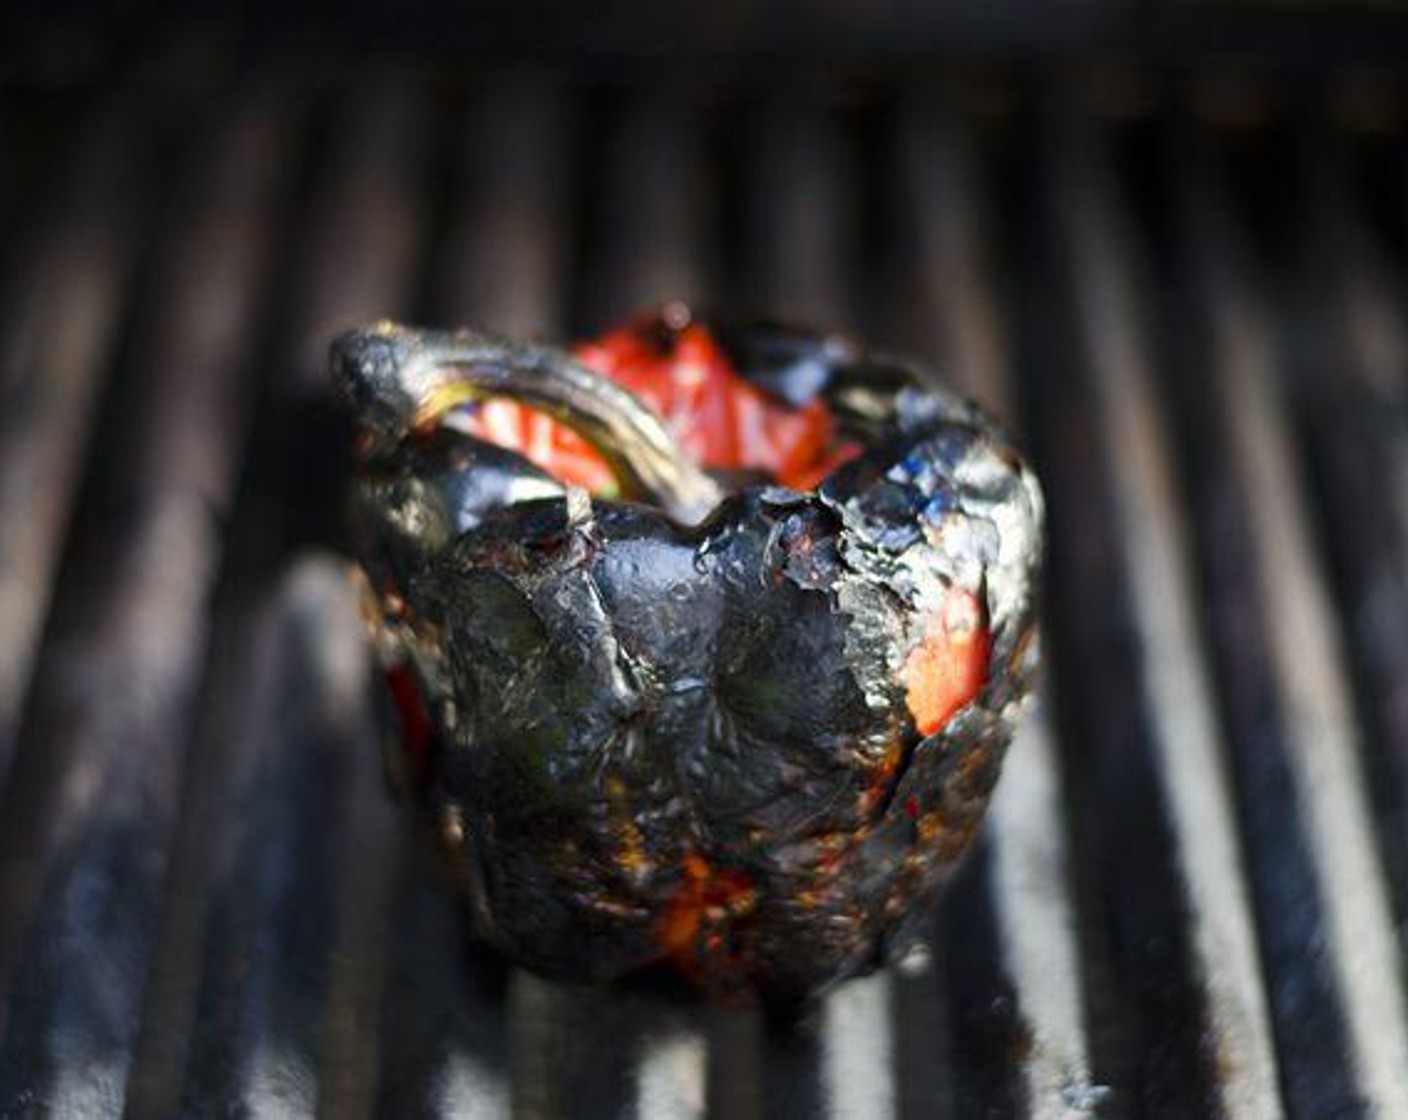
[(742, 734)]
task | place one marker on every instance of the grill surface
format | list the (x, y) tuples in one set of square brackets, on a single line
[(1191, 895)]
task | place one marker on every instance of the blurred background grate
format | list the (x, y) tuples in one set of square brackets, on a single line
[(1186, 291)]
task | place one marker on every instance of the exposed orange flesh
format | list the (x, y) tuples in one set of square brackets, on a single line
[(688, 928), (949, 666), (719, 419)]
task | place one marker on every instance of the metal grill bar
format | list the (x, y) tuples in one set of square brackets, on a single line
[(1183, 895)]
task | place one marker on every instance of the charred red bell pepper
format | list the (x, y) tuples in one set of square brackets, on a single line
[(663, 700)]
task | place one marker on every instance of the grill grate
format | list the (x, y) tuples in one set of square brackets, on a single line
[(1191, 895)]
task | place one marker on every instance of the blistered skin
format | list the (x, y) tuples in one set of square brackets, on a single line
[(749, 746)]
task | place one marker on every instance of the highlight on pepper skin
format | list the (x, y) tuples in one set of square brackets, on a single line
[(703, 642)]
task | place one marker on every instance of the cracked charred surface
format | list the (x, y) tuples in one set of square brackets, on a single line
[(750, 747)]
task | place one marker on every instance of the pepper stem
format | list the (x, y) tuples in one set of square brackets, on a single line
[(401, 380)]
